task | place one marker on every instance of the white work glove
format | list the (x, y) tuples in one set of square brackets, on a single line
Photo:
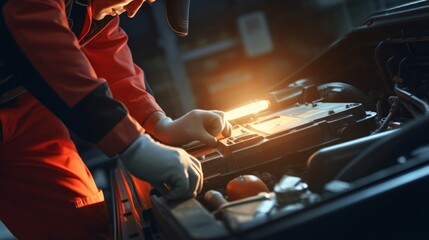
[(197, 124), (164, 166)]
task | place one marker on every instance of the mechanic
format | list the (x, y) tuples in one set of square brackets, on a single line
[(65, 66)]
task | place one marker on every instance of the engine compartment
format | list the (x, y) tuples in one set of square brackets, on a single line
[(341, 146)]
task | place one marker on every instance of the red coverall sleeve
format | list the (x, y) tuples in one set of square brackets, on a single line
[(111, 59), (62, 77)]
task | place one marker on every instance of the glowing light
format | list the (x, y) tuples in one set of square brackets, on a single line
[(247, 110)]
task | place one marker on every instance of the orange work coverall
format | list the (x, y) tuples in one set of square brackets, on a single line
[(70, 73)]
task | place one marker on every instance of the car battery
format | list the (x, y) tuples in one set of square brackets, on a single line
[(281, 138)]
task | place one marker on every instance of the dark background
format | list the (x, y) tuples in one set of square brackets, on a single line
[(210, 68)]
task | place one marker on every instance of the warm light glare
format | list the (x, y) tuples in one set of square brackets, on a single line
[(246, 110)]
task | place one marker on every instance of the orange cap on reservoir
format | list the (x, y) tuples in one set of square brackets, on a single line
[(245, 186)]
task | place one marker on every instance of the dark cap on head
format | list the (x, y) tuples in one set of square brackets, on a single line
[(178, 15)]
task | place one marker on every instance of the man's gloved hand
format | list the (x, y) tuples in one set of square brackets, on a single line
[(163, 165), (197, 124)]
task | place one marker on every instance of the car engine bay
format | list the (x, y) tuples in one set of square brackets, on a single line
[(337, 150)]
